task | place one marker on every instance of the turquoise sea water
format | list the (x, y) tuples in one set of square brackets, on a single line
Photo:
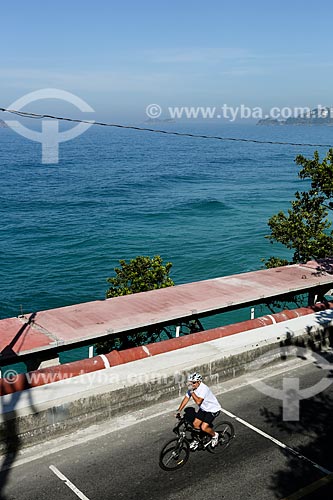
[(201, 204)]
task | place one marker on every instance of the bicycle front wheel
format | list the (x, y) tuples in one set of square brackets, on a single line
[(174, 455), (226, 434)]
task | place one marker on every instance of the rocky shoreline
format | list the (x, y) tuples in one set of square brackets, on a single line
[(316, 116), (297, 121)]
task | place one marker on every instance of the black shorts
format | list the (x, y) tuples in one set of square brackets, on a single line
[(206, 416)]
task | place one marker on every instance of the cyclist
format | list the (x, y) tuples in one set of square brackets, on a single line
[(209, 407)]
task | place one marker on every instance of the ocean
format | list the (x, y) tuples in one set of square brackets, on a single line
[(201, 204)]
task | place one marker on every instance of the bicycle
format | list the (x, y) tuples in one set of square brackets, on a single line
[(175, 453)]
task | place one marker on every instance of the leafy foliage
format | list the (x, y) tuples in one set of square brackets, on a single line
[(321, 174), (275, 262), (305, 228), (138, 275)]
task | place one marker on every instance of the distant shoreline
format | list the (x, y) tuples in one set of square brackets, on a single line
[(315, 116), (296, 122)]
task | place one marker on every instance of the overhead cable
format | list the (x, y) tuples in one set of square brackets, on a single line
[(158, 131)]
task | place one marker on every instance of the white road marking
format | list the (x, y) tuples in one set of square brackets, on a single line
[(146, 350), (276, 441), (68, 483), (105, 361), (82, 436)]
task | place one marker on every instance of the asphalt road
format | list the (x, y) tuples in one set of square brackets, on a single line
[(123, 464)]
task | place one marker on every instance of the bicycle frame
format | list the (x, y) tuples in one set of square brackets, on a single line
[(175, 453), (200, 435)]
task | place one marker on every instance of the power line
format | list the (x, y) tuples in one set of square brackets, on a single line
[(158, 131)]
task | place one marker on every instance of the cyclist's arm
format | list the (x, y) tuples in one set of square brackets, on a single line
[(183, 403), (196, 399), (186, 399)]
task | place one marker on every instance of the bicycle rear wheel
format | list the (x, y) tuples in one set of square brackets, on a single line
[(174, 455), (226, 434)]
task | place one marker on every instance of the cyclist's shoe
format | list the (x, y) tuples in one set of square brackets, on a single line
[(215, 440), (194, 444)]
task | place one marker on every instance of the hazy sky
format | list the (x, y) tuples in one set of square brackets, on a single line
[(121, 56)]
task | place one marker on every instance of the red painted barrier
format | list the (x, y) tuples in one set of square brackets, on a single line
[(48, 375), (60, 372)]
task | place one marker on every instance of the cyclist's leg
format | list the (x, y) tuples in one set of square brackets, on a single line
[(206, 418), (195, 434), (197, 423), (207, 428)]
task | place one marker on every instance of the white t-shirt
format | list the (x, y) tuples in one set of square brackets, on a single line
[(210, 403)]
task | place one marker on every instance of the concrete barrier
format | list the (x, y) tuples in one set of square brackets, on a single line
[(39, 413), (19, 382)]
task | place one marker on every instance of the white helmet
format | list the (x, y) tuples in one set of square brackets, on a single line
[(194, 377)]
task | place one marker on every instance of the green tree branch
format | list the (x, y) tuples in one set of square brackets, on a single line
[(305, 228)]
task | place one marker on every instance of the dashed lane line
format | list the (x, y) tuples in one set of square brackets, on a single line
[(85, 435), (311, 488), (277, 442), (68, 483)]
